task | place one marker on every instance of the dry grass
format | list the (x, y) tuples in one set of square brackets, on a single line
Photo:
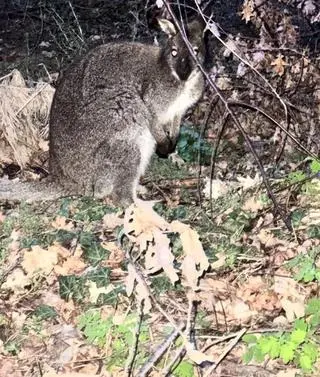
[(24, 113)]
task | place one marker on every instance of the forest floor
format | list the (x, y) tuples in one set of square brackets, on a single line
[(211, 282)]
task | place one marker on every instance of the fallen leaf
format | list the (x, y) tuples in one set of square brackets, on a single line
[(61, 222), (279, 65), (196, 356), (159, 256), (253, 205), (195, 262), (39, 260), (16, 281), (220, 262), (141, 291), (248, 182), (293, 309), (2, 217), (94, 291), (112, 220), (247, 10)]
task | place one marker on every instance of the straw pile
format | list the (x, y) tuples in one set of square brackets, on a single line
[(24, 114)]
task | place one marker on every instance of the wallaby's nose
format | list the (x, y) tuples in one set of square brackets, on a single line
[(184, 68)]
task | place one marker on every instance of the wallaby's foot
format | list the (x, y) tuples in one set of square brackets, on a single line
[(122, 198)]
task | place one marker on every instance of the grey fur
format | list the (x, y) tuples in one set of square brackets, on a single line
[(111, 110)]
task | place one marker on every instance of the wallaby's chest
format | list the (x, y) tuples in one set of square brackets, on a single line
[(185, 98)]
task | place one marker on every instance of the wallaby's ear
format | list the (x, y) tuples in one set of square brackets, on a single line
[(167, 26), (197, 27)]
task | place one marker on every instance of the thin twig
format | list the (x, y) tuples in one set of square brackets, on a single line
[(225, 352), (174, 362), (150, 363), (271, 119), (214, 156), (134, 347), (212, 105)]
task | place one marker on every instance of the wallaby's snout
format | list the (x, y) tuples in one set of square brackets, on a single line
[(163, 150), (184, 67)]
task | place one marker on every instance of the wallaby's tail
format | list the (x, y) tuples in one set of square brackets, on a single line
[(29, 191)]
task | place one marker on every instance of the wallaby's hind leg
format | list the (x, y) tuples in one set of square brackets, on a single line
[(120, 180)]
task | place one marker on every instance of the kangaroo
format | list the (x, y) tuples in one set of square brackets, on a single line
[(111, 110)]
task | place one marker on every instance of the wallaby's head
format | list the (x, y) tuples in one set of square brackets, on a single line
[(175, 53)]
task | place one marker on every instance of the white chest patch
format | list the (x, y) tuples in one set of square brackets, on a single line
[(187, 97), (146, 144)]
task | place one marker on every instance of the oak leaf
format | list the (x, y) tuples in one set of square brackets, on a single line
[(279, 65), (39, 260)]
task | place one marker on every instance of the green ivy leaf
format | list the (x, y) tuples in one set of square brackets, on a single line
[(45, 312)]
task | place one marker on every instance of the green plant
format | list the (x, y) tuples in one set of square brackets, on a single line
[(298, 345), (296, 176), (305, 267), (184, 369), (94, 327), (190, 144), (98, 329), (45, 312), (93, 252), (72, 287)]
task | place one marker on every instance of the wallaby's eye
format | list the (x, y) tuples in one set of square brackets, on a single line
[(195, 50), (174, 51)]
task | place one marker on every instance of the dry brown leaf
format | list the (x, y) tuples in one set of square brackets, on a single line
[(16, 281), (61, 222), (14, 244), (39, 260), (159, 256), (2, 217), (141, 219), (95, 292), (248, 182), (247, 10), (9, 367), (112, 220), (291, 299), (220, 262), (71, 264), (195, 262), (218, 188), (268, 239), (196, 356), (141, 291), (293, 309), (253, 205), (130, 280), (279, 65)]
